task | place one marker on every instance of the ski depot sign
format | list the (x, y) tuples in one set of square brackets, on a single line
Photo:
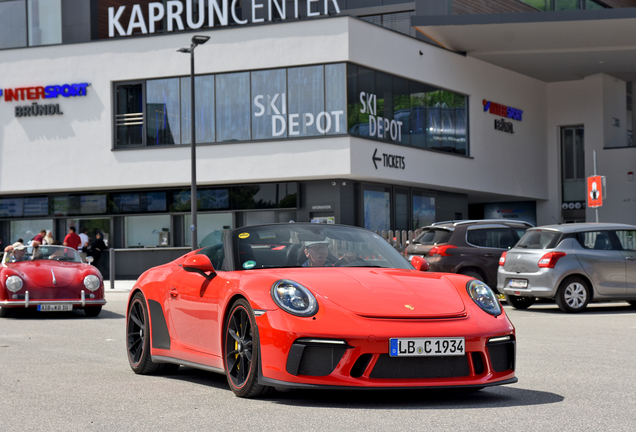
[(148, 19)]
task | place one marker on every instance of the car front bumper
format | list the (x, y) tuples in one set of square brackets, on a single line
[(27, 302), (357, 354)]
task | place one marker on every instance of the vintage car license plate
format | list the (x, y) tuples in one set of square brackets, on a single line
[(518, 283), (414, 347), (55, 307)]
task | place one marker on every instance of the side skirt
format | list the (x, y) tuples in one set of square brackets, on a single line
[(162, 359)]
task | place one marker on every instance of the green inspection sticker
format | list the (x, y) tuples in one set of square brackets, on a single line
[(249, 264)]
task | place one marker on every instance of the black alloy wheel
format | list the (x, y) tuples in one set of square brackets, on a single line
[(241, 351), (138, 340)]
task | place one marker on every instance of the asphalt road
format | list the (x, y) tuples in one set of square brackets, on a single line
[(63, 372)]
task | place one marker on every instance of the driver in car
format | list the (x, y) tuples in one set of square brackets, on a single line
[(317, 253), (18, 254)]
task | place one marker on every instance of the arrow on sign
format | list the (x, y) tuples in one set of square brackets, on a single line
[(374, 158)]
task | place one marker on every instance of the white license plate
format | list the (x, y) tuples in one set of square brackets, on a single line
[(518, 283), (55, 307), (415, 347)]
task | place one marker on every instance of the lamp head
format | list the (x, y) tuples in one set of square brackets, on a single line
[(199, 40), (184, 50)]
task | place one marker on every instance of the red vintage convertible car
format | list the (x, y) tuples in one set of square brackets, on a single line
[(317, 306), (49, 278)]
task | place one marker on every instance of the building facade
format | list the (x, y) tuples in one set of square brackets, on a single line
[(355, 112)]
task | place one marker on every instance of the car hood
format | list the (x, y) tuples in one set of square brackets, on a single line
[(48, 274), (385, 293)]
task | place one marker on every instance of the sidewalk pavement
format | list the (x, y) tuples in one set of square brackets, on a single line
[(120, 285)]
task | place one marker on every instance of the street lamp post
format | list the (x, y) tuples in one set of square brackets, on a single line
[(196, 40)]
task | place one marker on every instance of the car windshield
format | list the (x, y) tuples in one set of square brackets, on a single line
[(55, 253), (539, 239), (311, 245), (433, 237)]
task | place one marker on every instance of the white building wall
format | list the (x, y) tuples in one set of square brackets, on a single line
[(76, 150)]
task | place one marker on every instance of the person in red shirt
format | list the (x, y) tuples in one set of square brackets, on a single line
[(72, 239), (40, 237)]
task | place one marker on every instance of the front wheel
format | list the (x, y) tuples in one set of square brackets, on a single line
[(138, 340), (241, 351), (573, 295), (519, 302)]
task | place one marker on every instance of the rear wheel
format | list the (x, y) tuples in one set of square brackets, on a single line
[(573, 295), (138, 340), (519, 302), (241, 351)]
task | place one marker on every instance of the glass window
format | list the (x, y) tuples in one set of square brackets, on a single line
[(401, 210), (269, 104), (598, 240), (573, 164), (433, 236), (210, 227), (204, 106), (336, 97), (627, 239), (144, 231), (377, 209), (423, 211), (233, 107), (264, 196), (139, 202), (208, 199), (306, 87), (499, 238), (45, 22), (129, 115), (163, 112), (13, 24), (393, 109), (27, 229)]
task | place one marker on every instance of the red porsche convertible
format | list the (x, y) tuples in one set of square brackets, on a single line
[(49, 278), (303, 305)]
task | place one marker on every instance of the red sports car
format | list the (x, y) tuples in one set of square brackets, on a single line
[(49, 278), (317, 306)]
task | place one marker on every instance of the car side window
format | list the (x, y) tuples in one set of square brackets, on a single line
[(500, 238), (597, 240), (627, 239)]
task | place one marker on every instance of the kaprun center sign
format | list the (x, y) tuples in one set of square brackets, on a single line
[(219, 13)]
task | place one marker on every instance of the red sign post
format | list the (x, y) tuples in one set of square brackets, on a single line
[(594, 191)]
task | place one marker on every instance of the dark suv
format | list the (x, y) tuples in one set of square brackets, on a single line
[(470, 247)]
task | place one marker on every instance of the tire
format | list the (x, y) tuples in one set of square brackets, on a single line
[(632, 303), (92, 311), (5, 312), (241, 351), (138, 340), (519, 302), (573, 295)]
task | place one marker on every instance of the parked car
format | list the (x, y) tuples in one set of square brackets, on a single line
[(303, 305), (49, 278), (573, 264), (469, 247)]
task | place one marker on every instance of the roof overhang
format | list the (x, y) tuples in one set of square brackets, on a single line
[(550, 46)]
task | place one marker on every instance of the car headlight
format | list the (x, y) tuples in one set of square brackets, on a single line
[(91, 282), (294, 298), (484, 297), (14, 283)]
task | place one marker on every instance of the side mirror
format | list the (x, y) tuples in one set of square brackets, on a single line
[(420, 263), (200, 264), (90, 259)]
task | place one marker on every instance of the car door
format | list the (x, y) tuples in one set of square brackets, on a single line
[(604, 264), (627, 240), (194, 310), (488, 243)]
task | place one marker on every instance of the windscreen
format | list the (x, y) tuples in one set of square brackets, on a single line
[(312, 245), (433, 237), (539, 239)]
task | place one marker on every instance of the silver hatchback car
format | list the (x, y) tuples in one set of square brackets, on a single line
[(573, 264)]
